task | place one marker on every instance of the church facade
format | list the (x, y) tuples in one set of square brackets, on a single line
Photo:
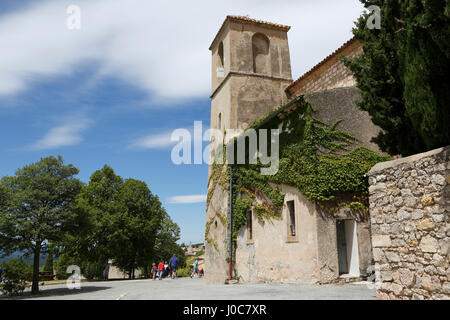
[(251, 76)]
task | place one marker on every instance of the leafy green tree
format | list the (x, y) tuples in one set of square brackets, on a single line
[(166, 242), (127, 217), (38, 207), (15, 274), (137, 226), (403, 74), (100, 199)]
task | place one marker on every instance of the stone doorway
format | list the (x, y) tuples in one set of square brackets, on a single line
[(347, 247)]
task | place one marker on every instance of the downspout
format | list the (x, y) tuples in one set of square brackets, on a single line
[(230, 225)]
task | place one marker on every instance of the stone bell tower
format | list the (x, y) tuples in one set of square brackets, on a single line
[(251, 68)]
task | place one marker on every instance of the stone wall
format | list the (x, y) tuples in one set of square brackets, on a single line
[(331, 73), (409, 211)]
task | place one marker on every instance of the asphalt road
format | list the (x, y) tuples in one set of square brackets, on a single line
[(193, 289)]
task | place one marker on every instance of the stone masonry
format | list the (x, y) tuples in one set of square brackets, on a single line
[(329, 74), (409, 214)]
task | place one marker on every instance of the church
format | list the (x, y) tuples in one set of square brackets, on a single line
[(251, 77)]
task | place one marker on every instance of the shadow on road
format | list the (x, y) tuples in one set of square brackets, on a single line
[(55, 292)]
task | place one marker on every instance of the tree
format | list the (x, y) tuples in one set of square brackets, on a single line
[(166, 241), (100, 199), (127, 217), (403, 74), (37, 207), (136, 226)]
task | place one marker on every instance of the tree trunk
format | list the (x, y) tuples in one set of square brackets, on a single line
[(35, 284)]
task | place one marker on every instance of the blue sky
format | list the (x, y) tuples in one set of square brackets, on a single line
[(113, 91)]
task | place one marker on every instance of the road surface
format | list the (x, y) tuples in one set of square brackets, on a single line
[(193, 289)]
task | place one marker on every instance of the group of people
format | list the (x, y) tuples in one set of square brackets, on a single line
[(164, 268)]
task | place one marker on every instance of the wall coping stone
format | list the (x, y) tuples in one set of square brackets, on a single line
[(393, 163)]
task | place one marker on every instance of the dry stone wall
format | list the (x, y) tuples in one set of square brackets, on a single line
[(409, 211)]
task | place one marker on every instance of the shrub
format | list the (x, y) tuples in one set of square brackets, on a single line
[(184, 272), (15, 276), (93, 270), (201, 252), (61, 266)]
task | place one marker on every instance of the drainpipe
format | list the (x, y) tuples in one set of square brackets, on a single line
[(230, 224)]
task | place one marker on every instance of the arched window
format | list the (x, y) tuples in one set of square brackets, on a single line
[(260, 45), (220, 62), (220, 52)]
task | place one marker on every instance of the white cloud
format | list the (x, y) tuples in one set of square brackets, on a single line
[(196, 198), (160, 47), (154, 141), (67, 134)]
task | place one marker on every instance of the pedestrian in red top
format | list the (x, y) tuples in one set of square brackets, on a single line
[(160, 269)]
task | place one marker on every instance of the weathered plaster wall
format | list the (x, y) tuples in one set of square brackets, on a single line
[(242, 52), (272, 256), (409, 209), (340, 104), (216, 250), (217, 78), (327, 246), (311, 257), (222, 104), (253, 97)]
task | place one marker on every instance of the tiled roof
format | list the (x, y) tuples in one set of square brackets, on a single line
[(317, 66), (248, 20)]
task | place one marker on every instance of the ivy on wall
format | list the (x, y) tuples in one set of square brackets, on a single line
[(315, 158)]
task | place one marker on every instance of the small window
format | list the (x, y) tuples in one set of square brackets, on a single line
[(219, 124), (220, 71), (215, 224), (292, 227), (220, 52), (249, 226)]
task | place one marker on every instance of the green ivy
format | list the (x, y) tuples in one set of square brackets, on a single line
[(314, 157)]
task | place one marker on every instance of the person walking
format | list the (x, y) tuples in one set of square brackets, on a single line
[(196, 267), (166, 269), (174, 263), (160, 269), (106, 270), (154, 270)]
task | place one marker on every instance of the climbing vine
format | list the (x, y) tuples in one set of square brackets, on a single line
[(315, 158)]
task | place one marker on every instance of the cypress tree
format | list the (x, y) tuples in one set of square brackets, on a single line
[(48, 266), (403, 74)]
